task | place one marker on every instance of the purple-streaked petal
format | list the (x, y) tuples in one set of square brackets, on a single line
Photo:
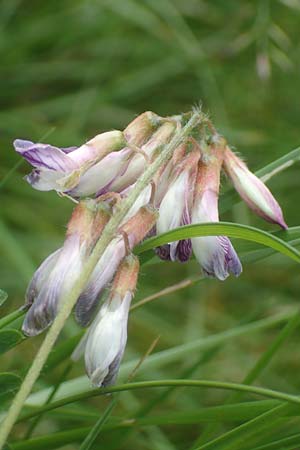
[(184, 250), (216, 256), (44, 156), (51, 293), (163, 252), (68, 149)]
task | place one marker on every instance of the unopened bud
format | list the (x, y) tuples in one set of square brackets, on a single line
[(140, 224), (126, 276), (141, 128), (252, 190)]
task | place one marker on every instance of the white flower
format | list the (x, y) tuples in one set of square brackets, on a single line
[(106, 340)]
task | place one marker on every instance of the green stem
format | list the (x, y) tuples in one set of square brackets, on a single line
[(264, 392), (108, 233)]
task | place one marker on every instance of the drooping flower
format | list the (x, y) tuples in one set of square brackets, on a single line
[(252, 190), (175, 207), (119, 169), (105, 341), (135, 229), (61, 168), (57, 274), (215, 254)]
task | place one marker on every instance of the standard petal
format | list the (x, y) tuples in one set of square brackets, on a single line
[(44, 156)]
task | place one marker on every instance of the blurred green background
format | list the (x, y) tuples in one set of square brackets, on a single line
[(71, 69)]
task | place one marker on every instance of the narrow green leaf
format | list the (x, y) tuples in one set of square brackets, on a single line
[(225, 413), (95, 431), (280, 164), (287, 443), (11, 317), (9, 384), (9, 339), (233, 439), (3, 297), (173, 354), (52, 441), (229, 413), (229, 229), (256, 370), (293, 399)]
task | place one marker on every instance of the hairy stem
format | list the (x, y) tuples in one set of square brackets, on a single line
[(108, 233)]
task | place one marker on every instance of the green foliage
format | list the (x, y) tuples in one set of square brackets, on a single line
[(9, 384), (73, 69), (9, 339)]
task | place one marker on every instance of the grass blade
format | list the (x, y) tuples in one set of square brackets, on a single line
[(229, 229)]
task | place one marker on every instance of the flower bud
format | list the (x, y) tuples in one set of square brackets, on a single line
[(138, 162), (141, 128), (118, 170), (252, 190), (139, 225), (215, 254), (59, 271), (106, 339)]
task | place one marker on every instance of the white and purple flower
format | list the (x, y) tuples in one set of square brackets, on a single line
[(57, 274), (105, 342), (109, 162), (61, 168), (175, 207), (215, 254)]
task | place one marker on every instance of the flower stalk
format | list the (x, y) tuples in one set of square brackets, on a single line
[(71, 297)]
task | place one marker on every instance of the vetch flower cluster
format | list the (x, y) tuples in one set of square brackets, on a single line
[(99, 175)]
